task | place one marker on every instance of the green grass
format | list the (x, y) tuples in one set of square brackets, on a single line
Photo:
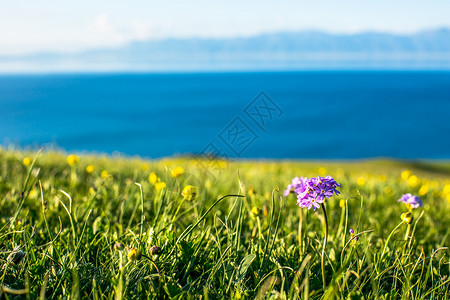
[(260, 245)]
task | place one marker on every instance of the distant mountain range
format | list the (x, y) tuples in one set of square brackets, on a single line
[(276, 51)]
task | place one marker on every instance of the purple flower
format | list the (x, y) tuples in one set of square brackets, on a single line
[(313, 192), (296, 183), (351, 231), (411, 201)]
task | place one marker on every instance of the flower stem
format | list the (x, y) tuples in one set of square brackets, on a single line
[(325, 240)]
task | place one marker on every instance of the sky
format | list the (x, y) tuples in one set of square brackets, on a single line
[(72, 26)]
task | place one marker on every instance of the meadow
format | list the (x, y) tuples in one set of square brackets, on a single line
[(98, 227)]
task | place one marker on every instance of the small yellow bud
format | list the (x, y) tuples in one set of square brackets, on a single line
[(72, 160), (159, 186), (27, 161), (251, 192), (189, 192), (406, 174), (177, 172), (104, 174), (413, 181), (255, 211), (90, 169), (265, 210), (322, 171), (423, 190), (407, 217), (342, 203), (153, 178), (134, 254), (361, 181)]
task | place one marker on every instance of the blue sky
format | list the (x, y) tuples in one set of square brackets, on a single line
[(51, 25)]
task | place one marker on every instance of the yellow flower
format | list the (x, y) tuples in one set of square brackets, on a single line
[(189, 192), (406, 174), (388, 190), (448, 198), (90, 169), (251, 192), (177, 172), (413, 181), (145, 167), (407, 217), (382, 178), (72, 160), (255, 211), (361, 181), (104, 174), (342, 203), (32, 194), (322, 171), (134, 254), (159, 186), (423, 190), (27, 161), (153, 178), (446, 189), (208, 184)]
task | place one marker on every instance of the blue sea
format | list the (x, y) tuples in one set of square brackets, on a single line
[(300, 115)]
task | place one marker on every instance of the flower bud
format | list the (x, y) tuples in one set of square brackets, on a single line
[(407, 217), (134, 254), (155, 250), (119, 246), (189, 192)]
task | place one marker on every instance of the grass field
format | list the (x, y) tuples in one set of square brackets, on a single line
[(84, 227)]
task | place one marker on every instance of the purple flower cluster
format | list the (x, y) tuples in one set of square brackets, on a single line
[(411, 200), (296, 183), (312, 192)]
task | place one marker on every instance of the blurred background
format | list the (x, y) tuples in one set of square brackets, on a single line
[(253, 79)]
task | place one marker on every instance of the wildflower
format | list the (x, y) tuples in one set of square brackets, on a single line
[(251, 192), (119, 246), (411, 201), (446, 189), (413, 181), (296, 183), (134, 254), (27, 161), (177, 172), (353, 238), (255, 211), (32, 194), (265, 210), (153, 178), (423, 190), (315, 190), (104, 174), (388, 191), (145, 167), (406, 174), (189, 192), (322, 171), (407, 217), (159, 186), (361, 181), (72, 160), (312, 192), (90, 169), (155, 250), (342, 203)]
